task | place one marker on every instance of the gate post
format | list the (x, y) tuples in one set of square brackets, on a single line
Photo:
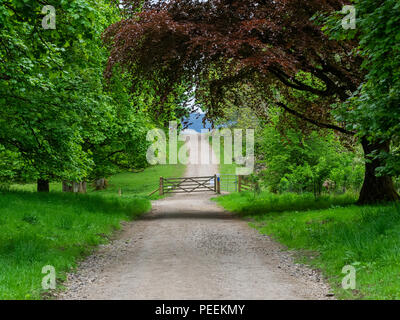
[(236, 183), (218, 185), (239, 183), (215, 183), (161, 187)]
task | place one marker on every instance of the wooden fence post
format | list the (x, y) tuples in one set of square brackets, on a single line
[(161, 190), (236, 183), (239, 183), (215, 183)]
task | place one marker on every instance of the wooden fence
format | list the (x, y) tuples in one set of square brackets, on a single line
[(244, 184)]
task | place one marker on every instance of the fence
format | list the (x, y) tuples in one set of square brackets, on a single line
[(216, 184), (189, 185)]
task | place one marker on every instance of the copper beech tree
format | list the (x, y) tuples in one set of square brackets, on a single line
[(274, 47)]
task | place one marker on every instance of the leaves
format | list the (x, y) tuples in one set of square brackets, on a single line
[(58, 119)]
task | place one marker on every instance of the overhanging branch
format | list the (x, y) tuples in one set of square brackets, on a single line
[(314, 122)]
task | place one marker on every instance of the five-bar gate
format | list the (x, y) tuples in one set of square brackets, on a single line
[(189, 185)]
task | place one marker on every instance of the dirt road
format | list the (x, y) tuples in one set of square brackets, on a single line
[(189, 248)]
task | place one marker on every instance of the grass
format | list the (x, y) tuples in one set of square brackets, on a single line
[(53, 229), (246, 203), (332, 232)]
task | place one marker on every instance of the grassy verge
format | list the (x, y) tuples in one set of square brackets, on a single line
[(53, 229), (248, 204), (331, 233)]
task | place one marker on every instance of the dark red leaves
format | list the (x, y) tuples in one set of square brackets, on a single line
[(193, 41)]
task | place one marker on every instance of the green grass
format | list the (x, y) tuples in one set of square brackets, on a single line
[(330, 235), (53, 229), (246, 203)]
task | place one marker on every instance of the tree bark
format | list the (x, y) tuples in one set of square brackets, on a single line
[(66, 186), (376, 189), (43, 185), (75, 187), (82, 187), (101, 184)]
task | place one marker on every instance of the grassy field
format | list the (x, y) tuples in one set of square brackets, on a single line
[(332, 232), (53, 229)]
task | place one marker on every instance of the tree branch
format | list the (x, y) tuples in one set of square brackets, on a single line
[(314, 122), (293, 83)]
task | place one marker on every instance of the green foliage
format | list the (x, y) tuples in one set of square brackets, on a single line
[(313, 162), (374, 110), (53, 229), (59, 119)]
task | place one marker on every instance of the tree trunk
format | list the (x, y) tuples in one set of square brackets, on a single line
[(74, 187), (82, 187), (376, 189), (101, 184), (66, 186), (43, 185)]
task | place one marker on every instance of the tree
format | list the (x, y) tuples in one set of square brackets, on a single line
[(304, 161), (57, 114), (44, 90), (273, 46), (373, 109)]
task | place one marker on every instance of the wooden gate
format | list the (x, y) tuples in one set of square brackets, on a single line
[(189, 185)]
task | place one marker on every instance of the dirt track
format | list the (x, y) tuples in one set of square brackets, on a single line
[(189, 248)]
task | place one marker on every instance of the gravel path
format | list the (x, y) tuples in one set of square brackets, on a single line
[(189, 248)]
